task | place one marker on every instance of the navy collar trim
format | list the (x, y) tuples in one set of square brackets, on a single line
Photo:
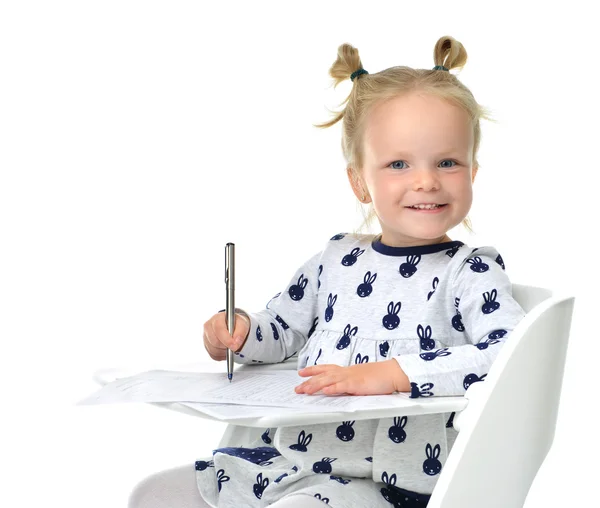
[(409, 251)]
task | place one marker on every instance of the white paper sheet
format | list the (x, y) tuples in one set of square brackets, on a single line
[(269, 388)]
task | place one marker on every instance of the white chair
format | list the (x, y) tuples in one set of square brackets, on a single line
[(508, 426), (506, 423)]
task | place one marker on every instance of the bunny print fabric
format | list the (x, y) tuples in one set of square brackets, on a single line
[(441, 311)]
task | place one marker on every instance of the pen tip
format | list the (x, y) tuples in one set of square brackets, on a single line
[(229, 376)]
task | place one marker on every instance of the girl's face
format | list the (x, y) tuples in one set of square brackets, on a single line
[(418, 150)]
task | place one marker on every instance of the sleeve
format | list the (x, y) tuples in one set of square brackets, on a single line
[(283, 327), (482, 293)]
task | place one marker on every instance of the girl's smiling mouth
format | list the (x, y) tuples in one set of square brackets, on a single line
[(429, 208)]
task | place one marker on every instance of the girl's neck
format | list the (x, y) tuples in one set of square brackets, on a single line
[(386, 241)]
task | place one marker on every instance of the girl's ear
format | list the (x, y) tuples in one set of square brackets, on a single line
[(357, 187)]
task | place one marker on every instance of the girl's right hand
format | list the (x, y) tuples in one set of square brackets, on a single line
[(217, 338)]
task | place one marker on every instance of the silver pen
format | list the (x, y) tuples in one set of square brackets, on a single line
[(229, 303)]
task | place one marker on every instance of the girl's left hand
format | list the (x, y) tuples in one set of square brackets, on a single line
[(378, 378)]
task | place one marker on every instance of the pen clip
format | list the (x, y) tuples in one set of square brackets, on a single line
[(229, 265)]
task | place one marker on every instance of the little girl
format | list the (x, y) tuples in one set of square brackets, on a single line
[(407, 310)]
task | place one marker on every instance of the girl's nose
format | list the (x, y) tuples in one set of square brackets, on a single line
[(426, 179)]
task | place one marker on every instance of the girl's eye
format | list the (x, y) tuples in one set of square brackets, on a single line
[(395, 167), (448, 160), (402, 162)]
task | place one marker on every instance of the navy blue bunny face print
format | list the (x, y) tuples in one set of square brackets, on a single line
[(324, 499), (366, 288), (434, 285), (472, 378), (477, 265), (323, 466), (296, 291), (432, 355), (384, 347), (500, 261), (450, 253), (361, 359), (259, 336), (319, 277), (339, 236), (275, 332), (497, 334), (303, 442), (331, 299), (420, 391), (396, 432), (265, 436), (490, 304), (201, 465), (389, 493), (260, 485), (432, 465), (409, 268), (345, 432), (350, 259), (481, 345), (344, 342), (457, 323), (283, 324), (221, 478), (425, 340), (391, 320)]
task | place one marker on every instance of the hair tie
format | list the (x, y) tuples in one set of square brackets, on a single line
[(357, 73)]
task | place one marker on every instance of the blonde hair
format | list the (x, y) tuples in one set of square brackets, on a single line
[(371, 89)]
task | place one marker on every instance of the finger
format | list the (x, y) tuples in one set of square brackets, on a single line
[(242, 326), (216, 349), (222, 334), (316, 383), (211, 337), (214, 353), (338, 388), (314, 370)]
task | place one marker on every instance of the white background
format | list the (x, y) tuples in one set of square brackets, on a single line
[(138, 137)]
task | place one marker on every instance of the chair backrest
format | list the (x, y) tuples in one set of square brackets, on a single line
[(508, 427), (529, 297)]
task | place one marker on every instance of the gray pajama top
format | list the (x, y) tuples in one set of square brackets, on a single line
[(442, 311)]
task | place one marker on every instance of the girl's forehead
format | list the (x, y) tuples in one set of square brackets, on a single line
[(418, 124)]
